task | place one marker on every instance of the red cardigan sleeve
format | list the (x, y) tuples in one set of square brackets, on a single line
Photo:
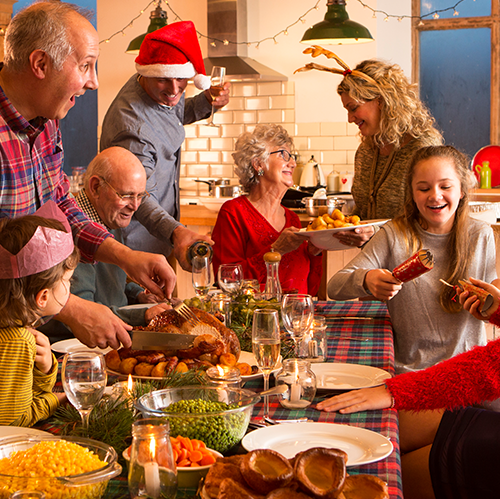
[(469, 378)]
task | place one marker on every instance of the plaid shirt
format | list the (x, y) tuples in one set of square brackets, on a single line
[(31, 157)]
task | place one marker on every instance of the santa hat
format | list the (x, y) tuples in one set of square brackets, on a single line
[(173, 52)]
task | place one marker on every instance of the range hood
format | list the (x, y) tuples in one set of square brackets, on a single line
[(227, 20)]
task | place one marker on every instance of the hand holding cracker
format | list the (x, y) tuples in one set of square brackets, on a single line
[(474, 297)]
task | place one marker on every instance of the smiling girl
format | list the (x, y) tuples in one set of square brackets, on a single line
[(429, 325), (37, 259)]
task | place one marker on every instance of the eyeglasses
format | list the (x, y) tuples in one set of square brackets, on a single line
[(127, 198), (285, 155)]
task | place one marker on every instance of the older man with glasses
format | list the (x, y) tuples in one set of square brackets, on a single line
[(115, 186)]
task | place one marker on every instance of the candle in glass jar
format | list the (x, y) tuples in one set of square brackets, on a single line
[(295, 392), (224, 376)]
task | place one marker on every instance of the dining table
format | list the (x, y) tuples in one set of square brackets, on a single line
[(358, 333)]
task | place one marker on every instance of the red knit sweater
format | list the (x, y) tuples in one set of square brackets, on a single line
[(469, 378)]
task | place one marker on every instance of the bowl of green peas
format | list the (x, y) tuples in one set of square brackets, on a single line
[(217, 416)]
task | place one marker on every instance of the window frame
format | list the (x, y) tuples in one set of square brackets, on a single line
[(492, 22)]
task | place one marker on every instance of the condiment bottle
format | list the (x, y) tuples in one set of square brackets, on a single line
[(301, 382), (152, 471), (486, 175), (273, 286), (332, 181), (201, 249)]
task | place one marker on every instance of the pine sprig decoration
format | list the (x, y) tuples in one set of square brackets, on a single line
[(242, 309), (111, 419)]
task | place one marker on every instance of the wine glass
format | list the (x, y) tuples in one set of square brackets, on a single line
[(84, 379), (217, 85), (201, 276), (266, 345), (230, 278), (297, 312)]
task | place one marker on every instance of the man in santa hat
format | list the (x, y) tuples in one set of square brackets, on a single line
[(147, 118)]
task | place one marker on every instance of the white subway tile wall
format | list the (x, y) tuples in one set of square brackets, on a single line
[(207, 150)]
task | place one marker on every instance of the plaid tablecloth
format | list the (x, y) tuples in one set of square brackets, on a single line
[(378, 351)]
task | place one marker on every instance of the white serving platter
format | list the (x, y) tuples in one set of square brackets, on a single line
[(323, 239)]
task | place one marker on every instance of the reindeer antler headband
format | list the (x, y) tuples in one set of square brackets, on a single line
[(44, 250), (316, 50)]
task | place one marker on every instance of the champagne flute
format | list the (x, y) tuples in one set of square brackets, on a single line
[(297, 312), (230, 278), (217, 85), (266, 345), (84, 379), (201, 276)]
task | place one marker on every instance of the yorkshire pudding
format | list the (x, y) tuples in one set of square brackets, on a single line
[(364, 487), (265, 470), (321, 472)]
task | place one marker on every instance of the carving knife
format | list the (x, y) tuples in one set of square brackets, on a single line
[(156, 340)]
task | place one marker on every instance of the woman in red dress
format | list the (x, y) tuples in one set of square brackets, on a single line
[(249, 226)]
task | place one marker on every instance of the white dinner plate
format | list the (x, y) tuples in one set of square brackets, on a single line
[(11, 431), (361, 445), (339, 376), (249, 358), (246, 357), (67, 346), (323, 238)]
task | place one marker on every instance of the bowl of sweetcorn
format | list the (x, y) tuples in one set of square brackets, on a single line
[(61, 467)]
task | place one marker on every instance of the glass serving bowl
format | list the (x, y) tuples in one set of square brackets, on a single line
[(220, 430), (90, 485)]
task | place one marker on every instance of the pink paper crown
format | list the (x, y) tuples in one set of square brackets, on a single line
[(44, 250)]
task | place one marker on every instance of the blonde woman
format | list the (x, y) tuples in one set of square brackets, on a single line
[(393, 124)]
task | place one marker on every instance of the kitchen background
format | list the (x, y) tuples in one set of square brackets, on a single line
[(306, 104)]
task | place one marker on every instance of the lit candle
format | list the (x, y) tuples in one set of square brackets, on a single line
[(295, 392), (130, 386), (152, 473)]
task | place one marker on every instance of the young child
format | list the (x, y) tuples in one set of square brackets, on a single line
[(429, 326), (37, 259)]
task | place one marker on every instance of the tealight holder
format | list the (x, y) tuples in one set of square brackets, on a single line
[(123, 390), (221, 302), (152, 472), (301, 383), (250, 286), (313, 346), (224, 377)]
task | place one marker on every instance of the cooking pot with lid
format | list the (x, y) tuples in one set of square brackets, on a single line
[(320, 206), (220, 188)]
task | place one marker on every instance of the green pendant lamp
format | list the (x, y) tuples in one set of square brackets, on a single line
[(158, 20), (337, 28)]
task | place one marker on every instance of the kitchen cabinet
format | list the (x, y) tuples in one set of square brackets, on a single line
[(201, 220)]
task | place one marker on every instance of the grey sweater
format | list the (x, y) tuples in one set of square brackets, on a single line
[(424, 334), (154, 133)]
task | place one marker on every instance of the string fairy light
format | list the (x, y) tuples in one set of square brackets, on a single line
[(285, 31)]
